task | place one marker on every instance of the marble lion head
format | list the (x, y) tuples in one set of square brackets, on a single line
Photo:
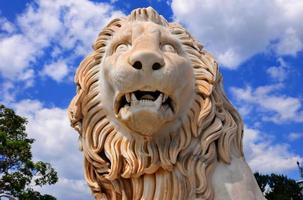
[(151, 113)]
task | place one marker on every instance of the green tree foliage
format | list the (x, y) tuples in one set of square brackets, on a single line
[(278, 187), (18, 173)]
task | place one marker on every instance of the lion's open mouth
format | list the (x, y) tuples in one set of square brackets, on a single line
[(144, 99)]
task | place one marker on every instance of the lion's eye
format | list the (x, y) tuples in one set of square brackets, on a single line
[(168, 48), (122, 47)]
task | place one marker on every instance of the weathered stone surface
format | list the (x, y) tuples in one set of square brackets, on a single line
[(153, 119)]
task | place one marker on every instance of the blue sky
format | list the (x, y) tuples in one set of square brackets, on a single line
[(259, 46)]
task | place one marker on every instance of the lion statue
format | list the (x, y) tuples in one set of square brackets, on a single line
[(153, 119)]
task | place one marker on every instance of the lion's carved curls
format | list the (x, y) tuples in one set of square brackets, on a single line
[(177, 167)]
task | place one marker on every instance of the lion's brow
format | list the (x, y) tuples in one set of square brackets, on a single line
[(124, 36)]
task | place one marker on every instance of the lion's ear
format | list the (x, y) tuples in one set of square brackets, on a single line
[(75, 107), (75, 112), (207, 74)]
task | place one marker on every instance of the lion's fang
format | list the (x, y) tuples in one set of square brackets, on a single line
[(158, 101), (127, 97), (164, 98), (133, 97)]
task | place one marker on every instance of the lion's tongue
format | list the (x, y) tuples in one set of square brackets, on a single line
[(147, 97), (147, 100)]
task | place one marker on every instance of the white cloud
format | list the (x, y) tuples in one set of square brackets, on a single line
[(294, 136), (69, 189), (290, 43), (229, 58), (57, 70), (15, 54), (245, 110), (113, 1), (280, 72), (236, 30), (276, 108), (8, 92), (56, 143), (264, 156), (69, 25), (6, 26)]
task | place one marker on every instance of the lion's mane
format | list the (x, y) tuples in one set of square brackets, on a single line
[(177, 167)]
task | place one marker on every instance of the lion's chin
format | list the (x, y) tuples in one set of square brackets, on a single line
[(145, 120)]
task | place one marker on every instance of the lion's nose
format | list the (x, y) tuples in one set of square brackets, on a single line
[(146, 60)]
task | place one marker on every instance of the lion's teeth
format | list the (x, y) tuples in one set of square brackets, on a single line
[(164, 98), (134, 100), (127, 97)]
